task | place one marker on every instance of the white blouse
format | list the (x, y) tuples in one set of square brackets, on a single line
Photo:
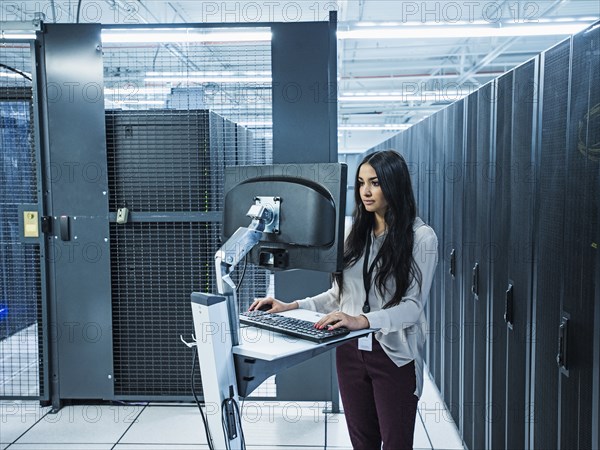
[(402, 328)]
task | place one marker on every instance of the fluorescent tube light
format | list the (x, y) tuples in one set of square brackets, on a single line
[(262, 124), (424, 97), (421, 24), (9, 35), (162, 36), (441, 32), (138, 102), (209, 73), (386, 127), (19, 29), (129, 90), (208, 80), (13, 75)]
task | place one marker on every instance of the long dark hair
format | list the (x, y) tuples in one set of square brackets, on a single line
[(396, 260)]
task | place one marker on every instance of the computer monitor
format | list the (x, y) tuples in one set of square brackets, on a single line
[(308, 202)]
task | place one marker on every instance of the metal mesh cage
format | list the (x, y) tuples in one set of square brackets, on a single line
[(20, 285), (177, 114)]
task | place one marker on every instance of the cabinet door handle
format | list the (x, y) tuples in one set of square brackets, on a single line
[(563, 332), (509, 306), (475, 280), (453, 263), (47, 224), (65, 232)]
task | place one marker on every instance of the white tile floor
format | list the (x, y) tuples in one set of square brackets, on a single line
[(267, 425)]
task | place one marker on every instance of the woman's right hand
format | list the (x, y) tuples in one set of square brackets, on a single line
[(271, 305)]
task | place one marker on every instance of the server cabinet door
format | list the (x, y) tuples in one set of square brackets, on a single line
[(581, 239), (484, 252), (549, 231), (519, 292), (496, 414), (77, 179), (431, 167), (454, 180), (470, 261)]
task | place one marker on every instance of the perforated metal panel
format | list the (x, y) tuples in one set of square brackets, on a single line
[(20, 285), (520, 250), (177, 114), (155, 266), (436, 211), (581, 238), (468, 249), (484, 254), (165, 160), (550, 230), (499, 234)]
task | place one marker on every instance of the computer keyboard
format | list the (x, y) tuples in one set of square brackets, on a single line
[(302, 329)]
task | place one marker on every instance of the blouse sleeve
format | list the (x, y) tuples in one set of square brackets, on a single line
[(323, 303), (410, 309)]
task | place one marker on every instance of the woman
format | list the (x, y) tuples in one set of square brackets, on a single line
[(389, 262)]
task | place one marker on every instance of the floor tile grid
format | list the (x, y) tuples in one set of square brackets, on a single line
[(158, 426), (128, 438)]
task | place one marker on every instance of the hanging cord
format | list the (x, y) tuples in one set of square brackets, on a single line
[(17, 71), (238, 420), (241, 280), (211, 445), (78, 11), (239, 284)]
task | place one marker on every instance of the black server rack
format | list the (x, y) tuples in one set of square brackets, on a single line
[(581, 241), (500, 203), (20, 261), (480, 272), (422, 157), (419, 134), (469, 261), (165, 167), (447, 254), (520, 245), (517, 300), (436, 209), (454, 251), (550, 257)]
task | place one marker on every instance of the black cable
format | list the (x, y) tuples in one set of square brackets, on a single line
[(78, 10), (325, 443), (239, 284), (23, 74), (237, 288), (238, 419), (225, 429), (211, 445)]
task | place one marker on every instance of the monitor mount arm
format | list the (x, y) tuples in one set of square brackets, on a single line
[(265, 219)]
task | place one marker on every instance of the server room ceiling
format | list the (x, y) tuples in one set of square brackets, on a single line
[(435, 52)]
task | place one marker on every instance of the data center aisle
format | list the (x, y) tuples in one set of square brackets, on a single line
[(267, 425)]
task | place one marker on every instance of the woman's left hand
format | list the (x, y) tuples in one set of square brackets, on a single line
[(339, 319)]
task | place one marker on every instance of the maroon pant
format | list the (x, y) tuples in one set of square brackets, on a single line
[(378, 398)]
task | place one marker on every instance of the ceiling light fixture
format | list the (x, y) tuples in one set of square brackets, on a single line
[(178, 35), (459, 31), (420, 24), (13, 75), (19, 30), (193, 79), (130, 90), (138, 102), (424, 97), (386, 127), (17, 36)]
